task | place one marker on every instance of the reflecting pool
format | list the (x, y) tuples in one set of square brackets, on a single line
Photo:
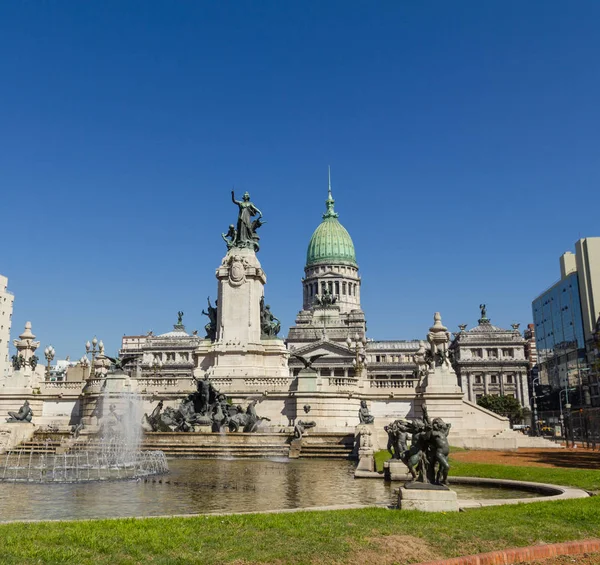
[(208, 486)]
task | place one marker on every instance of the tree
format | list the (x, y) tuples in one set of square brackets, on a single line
[(507, 406)]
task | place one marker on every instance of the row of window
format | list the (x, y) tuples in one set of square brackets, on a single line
[(493, 353), (390, 358), (171, 356), (494, 379), (334, 287)]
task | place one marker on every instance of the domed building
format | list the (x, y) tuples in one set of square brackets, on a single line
[(332, 322)]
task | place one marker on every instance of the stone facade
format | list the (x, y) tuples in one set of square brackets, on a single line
[(6, 310), (491, 360), (324, 369)]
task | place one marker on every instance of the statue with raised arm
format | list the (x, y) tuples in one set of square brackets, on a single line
[(246, 228), (211, 327), (180, 318), (25, 414)]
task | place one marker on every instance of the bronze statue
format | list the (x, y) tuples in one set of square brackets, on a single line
[(483, 311), (301, 426), (33, 362), (180, 318), (397, 437), (438, 451), (326, 299), (232, 235), (427, 457), (363, 414), (246, 229), (25, 414), (211, 327), (308, 363), (270, 326), (18, 361)]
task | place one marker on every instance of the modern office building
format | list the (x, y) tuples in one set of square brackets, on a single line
[(565, 317)]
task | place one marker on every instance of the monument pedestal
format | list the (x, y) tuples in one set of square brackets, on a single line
[(395, 470), (427, 498), (241, 360)]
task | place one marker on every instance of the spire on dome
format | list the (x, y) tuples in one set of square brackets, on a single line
[(330, 201)]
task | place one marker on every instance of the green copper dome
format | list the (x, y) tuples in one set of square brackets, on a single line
[(331, 242)]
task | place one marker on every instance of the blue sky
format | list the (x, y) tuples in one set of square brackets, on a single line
[(462, 138)]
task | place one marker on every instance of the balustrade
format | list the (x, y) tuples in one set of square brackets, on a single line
[(393, 383)]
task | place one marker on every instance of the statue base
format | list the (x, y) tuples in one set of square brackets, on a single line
[(395, 470), (428, 498)]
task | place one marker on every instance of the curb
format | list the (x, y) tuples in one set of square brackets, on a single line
[(522, 554)]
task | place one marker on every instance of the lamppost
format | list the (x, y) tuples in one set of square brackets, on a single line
[(85, 363), (565, 425), (156, 365), (49, 355), (91, 348), (358, 346), (535, 412)]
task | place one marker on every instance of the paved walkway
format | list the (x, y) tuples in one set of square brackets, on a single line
[(531, 554)]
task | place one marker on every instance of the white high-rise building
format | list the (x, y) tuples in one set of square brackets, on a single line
[(6, 308)]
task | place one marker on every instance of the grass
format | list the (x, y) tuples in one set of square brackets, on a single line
[(344, 537), (587, 479), (300, 538)]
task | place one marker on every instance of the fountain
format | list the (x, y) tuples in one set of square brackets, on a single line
[(114, 455)]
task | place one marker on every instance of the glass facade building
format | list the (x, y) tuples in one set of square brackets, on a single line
[(559, 332)]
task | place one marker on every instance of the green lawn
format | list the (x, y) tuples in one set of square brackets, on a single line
[(304, 537), (347, 536), (581, 478)]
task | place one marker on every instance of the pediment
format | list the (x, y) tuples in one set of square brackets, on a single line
[(323, 347)]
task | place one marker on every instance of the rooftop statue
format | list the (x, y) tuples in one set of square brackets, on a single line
[(483, 311), (245, 233), (180, 318), (326, 299), (25, 414)]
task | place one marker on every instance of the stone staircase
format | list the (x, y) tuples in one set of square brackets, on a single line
[(328, 446), (214, 450), (36, 446)]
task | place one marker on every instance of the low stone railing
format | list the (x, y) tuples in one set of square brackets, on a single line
[(393, 383), (267, 383), (164, 382), (343, 382), (64, 385)]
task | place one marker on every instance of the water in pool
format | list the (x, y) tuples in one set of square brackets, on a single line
[(205, 486)]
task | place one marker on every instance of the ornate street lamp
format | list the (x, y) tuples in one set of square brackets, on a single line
[(91, 348), (85, 363), (156, 365), (49, 355), (360, 359)]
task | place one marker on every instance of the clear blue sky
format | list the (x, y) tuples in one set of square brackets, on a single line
[(462, 137)]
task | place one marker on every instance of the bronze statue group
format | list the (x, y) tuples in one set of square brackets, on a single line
[(427, 456), (205, 407)]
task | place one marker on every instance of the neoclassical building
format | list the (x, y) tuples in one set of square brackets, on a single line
[(332, 316), (491, 360), (332, 324)]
